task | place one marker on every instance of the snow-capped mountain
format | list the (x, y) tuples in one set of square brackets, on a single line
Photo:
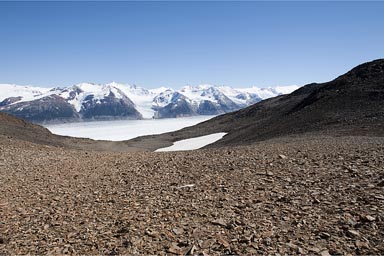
[(93, 101), (209, 100), (88, 101), (170, 103)]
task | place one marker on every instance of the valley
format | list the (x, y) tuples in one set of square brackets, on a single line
[(124, 129), (192, 128), (300, 173)]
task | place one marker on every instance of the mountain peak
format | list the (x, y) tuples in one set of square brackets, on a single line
[(159, 90), (113, 83)]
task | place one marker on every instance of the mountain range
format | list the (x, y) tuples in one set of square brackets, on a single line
[(88, 101), (352, 104)]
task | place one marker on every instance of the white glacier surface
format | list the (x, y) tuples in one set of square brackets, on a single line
[(193, 143), (124, 129)]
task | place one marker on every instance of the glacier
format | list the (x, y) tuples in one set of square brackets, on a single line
[(123, 129)]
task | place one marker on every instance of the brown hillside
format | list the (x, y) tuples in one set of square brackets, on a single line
[(352, 104), (17, 129)]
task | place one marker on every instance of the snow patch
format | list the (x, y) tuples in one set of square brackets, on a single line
[(286, 89), (193, 143), (269, 92)]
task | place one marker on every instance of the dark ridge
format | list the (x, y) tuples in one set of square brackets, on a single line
[(49, 108), (13, 128), (351, 104)]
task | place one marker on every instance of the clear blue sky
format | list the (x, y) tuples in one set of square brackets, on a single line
[(154, 44)]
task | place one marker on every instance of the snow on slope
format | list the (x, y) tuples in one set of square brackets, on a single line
[(235, 95), (163, 99), (199, 93), (193, 143), (265, 93), (286, 89), (159, 90), (242, 97), (142, 98), (26, 92), (83, 90)]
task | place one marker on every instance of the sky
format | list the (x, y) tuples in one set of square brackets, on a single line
[(153, 44)]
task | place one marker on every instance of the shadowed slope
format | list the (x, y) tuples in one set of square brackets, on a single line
[(352, 104), (17, 129)]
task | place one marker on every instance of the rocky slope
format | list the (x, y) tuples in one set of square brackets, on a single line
[(311, 196), (351, 104), (19, 130), (118, 101)]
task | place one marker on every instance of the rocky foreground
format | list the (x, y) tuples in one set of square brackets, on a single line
[(315, 195)]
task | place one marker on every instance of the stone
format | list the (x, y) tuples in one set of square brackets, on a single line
[(325, 253), (178, 231), (361, 244), (174, 249), (219, 222), (223, 243), (151, 233), (369, 218), (190, 250), (353, 233), (207, 243), (325, 235)]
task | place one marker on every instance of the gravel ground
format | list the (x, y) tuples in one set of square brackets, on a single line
[(315, 195)]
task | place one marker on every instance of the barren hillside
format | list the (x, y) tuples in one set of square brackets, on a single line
[(313, 195), (352, 104)]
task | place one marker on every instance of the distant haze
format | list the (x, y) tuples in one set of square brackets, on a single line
[(172, 44)]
